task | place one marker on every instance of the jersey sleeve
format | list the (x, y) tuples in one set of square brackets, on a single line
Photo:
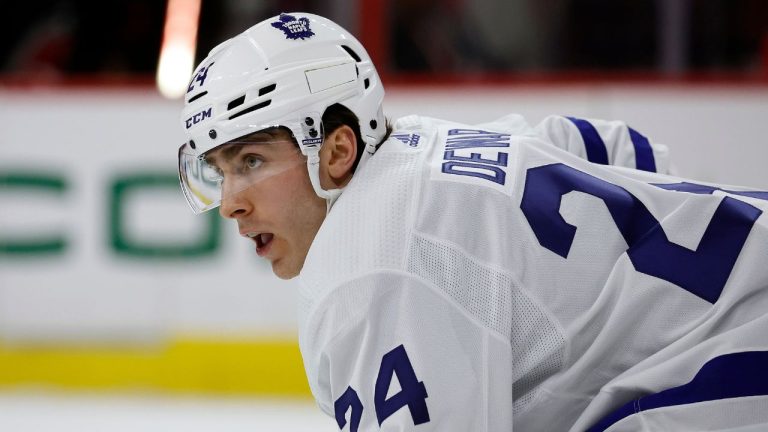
[(605, 142), (390, 353)]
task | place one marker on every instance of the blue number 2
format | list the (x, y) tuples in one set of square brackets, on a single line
[(348, 400), (703, 272), (412, 393)]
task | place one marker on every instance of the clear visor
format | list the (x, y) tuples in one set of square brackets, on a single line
[(232, 168)]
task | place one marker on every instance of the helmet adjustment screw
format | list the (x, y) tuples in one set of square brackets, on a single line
[(313, 133), (374, 124), (309, 121), (212, 134), (192, 144)]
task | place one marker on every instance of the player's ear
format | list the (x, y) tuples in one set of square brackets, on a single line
[(337, 157)]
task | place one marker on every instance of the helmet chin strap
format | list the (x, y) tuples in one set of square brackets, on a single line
[(370, 149), (313, 167)]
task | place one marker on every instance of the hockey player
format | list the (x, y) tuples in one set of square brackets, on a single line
[(483, 277)]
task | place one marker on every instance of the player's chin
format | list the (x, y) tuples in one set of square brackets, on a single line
[(285, 269)]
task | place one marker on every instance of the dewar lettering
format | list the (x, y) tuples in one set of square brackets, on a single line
[(486, 164)]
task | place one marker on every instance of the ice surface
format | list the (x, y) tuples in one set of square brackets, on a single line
[(66, 412)]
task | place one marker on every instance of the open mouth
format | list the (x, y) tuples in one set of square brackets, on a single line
[(263, 242), (263, 239)]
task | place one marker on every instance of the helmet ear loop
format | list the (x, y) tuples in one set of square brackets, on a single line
[(313, 168)]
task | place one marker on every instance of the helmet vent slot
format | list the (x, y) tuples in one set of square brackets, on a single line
[(268, 89), (197, 96), (351, 53), (236, 102), (367, 83), (251, 109)]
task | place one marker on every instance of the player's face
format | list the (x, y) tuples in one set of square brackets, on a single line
[(280, 212)]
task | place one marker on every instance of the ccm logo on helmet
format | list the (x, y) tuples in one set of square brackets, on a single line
[(197, 118)]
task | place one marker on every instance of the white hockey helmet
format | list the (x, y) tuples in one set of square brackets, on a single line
[(284, 71)]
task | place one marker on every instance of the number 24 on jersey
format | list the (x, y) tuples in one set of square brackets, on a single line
[(413, 393)]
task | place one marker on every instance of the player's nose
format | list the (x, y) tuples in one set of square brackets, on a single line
[(235, 206)]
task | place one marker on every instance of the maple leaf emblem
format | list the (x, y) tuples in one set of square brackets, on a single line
[(294, 28)]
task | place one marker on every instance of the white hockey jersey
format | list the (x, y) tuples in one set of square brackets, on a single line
[(491, 278)]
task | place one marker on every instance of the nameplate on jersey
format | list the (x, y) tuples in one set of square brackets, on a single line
[(473, 156)]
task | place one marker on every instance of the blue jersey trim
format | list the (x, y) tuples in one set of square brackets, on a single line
[(703, 189), (595, 146), (728, 376), (643, 152)]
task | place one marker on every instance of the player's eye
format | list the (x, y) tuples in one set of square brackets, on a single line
[(252, 162)]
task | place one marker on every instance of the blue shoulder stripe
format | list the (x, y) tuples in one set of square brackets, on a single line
[(703, 189), (728, 376), (596, 151), (643, 151)]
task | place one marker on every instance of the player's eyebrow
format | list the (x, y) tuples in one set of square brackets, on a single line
[(227, 153), (232, 150), (264, 137)]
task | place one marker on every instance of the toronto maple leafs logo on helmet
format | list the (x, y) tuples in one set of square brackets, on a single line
[(294, 28)]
